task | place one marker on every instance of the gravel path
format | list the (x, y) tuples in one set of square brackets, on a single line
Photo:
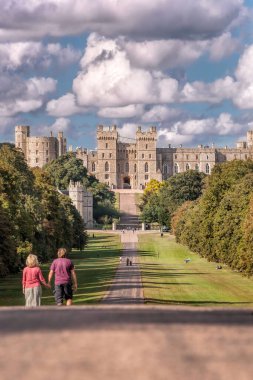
[(127, 285)]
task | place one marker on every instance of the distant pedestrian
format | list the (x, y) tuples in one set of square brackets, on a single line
[(32, 280), (65, 274), (120, 259), (127, 261)]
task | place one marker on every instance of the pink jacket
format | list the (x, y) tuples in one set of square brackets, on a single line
[(32, 277)]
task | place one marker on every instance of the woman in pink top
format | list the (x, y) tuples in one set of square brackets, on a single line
[(32, 278)]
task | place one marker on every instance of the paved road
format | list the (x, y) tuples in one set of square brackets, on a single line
[(127, 285), (126, 342)]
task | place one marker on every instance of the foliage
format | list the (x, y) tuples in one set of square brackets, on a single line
[(34, 216), (68, 168), (218, 225), (159, 202)]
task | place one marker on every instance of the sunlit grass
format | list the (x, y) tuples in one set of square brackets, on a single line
[(167, 279), (95, 268)]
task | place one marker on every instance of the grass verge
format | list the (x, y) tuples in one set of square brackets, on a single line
[(95, 268), (167, 279)]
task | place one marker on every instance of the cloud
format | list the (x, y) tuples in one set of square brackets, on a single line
[(109, 80), (161, 19), (20, 55), (60, 125), (223, 46), (64, 106), (163, 54), (185, 132), (130, 111), (18, 95), (159, 113), (214, 92)]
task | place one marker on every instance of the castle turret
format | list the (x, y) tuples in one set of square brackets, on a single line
[(22, 132), (107, 139), (250, 139), (62, 144), (83, 202)]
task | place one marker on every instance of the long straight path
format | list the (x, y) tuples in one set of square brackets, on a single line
[(127, 285)]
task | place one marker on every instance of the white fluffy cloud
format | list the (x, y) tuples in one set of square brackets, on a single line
[(64, 106), (160, 113), (61, 124), (109, 80), (17, 95), (223, 46), (153, 20), (18, 55), (133, 110), (184, 132)]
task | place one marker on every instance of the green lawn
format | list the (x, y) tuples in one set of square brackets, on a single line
[(167, 279), (95, 268)]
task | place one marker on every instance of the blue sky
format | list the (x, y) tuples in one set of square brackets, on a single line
[(186, 67)]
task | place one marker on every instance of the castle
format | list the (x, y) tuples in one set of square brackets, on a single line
[(131, 163), (39, 151)]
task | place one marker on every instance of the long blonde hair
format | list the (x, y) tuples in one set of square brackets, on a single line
[(32, 261)]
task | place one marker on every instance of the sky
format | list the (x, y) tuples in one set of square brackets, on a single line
[(185, 66)]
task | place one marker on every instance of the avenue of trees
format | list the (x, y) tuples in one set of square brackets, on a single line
[(68, 167), (34, 216), (161, 199), (219, 224)]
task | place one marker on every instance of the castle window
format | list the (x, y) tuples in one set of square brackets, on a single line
[(207, 169), (106, 176), (93, 167), (207, 157), (146, 167), (146, 177), (106, 167), (165, 169), (142, 156), (197, 157), (106, 146), (146, 146), (127, 167), (47, 152), (176, 170), (46, 159), (187, 167), (37, 160), (197, 167), (135, 168), (175, 156), (37, 151), (150, 156), (110, 155), (103, 155)]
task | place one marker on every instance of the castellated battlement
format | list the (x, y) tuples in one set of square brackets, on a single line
[(39, 150)]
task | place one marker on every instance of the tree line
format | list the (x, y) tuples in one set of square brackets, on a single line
[(218, 225), (34, 216)]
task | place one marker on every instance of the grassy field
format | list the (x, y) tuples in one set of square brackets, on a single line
[(167, 279), (95, 268)]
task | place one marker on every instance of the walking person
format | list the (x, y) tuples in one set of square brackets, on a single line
[(32, 280), (65, 276)]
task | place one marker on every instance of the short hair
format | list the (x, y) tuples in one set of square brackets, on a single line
[(32, 261), (61, 252)]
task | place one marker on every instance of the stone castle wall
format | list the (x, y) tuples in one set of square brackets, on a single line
[(39, 151)]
